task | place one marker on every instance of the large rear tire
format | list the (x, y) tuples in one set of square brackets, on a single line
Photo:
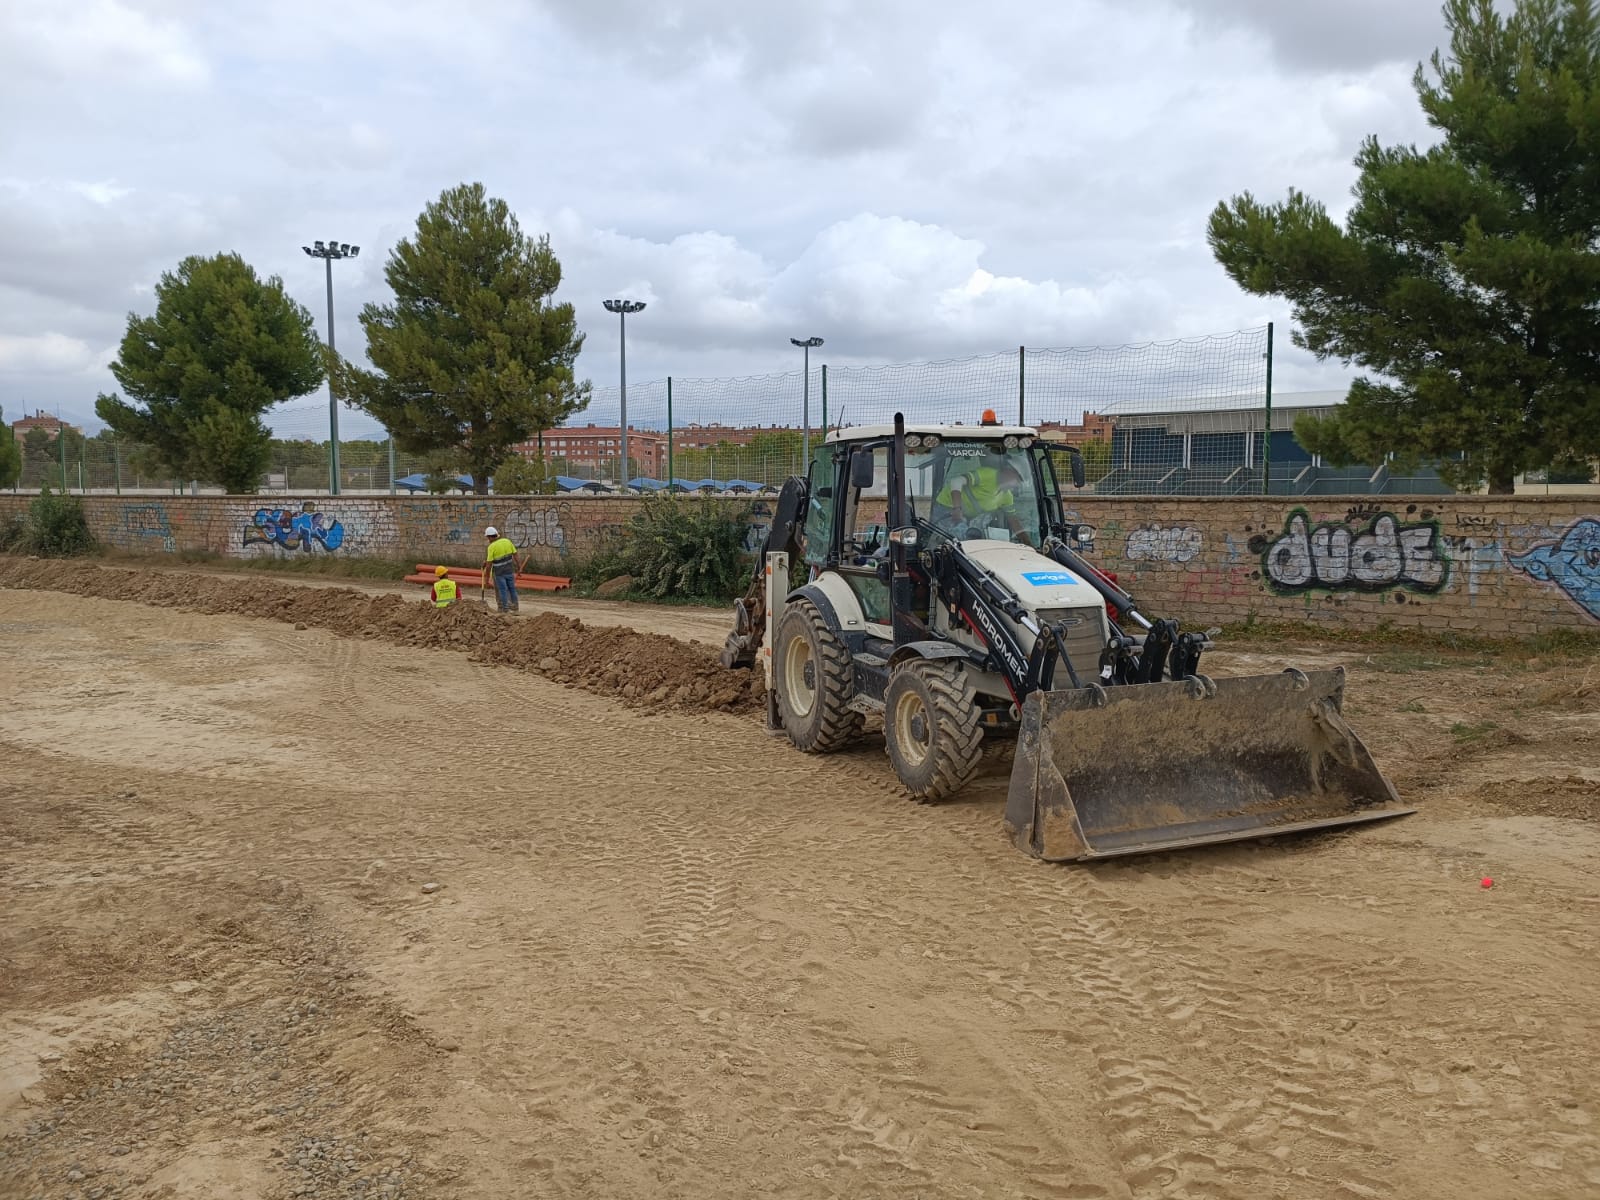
[(815, 681), (931, 729)]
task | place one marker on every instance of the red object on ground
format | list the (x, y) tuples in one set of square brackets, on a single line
[(473, 577), (1487, 882)]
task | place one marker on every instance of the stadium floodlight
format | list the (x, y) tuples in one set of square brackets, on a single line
[(805, 345), (622, 308), (327, 252)]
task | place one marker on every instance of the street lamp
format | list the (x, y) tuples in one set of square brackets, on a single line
[(806, 344), (622, 308), (327, 253)]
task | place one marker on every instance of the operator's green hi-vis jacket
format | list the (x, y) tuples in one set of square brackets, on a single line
[(980, 492)]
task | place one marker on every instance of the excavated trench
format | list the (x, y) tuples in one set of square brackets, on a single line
[(642, 670)]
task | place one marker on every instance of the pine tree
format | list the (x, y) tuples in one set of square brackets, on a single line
[(1466, 278), (473, 356), (10, 455), (222, 348)]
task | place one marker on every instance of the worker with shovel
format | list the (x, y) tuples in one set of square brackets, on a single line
[(500, 560)]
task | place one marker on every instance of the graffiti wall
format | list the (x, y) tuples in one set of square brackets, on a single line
[(1170, 544), (1570, 562), (1366, 550), (1491, 565), (291, 530)]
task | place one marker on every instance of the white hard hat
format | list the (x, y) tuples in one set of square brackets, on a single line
[(491, 532)]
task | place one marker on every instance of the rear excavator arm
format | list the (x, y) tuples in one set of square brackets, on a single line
[(750, 610)]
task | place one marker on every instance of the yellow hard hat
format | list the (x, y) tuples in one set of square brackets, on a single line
[(441, 572)]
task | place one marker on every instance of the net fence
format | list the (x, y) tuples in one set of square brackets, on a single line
[(1186, 416)]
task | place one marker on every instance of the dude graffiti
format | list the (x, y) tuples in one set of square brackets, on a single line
[(292, 530), (1342, 555), (1572, 563)]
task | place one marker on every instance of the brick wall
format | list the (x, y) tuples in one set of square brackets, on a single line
[(423, 528), (1483, 564)]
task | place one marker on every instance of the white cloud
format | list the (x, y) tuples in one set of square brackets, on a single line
[(103, 192), (1349, 35), (910, 180), (105, 40), (49, 353)]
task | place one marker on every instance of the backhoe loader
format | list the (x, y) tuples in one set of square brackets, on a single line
[(945, 591)]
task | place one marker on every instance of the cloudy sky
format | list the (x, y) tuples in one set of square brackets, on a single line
[(909, 179)]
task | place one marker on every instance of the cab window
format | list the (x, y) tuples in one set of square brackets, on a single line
[(820, 479)]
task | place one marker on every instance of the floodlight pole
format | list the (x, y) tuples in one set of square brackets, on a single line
[(622, 308), (805, 345), (327, 253)]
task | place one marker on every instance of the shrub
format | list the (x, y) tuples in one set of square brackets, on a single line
[(684, 548), (54, 527)]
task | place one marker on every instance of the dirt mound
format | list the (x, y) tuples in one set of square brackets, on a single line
[(1572, 796), (643, 670)]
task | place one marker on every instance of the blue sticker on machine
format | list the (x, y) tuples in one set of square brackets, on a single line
[(1049, 578)]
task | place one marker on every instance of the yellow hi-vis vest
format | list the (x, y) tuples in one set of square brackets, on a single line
[(444, 592), (980, 493)]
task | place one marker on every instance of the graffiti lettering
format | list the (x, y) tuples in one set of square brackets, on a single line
[(542, 528), (1334, 556), (1481, 557), (1362, 512), (1471, 521), (1152, 543), (147, 521), (294, 530), (1572, 563)]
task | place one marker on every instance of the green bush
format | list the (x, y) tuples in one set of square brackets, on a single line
[(54, 527), (682, 548)]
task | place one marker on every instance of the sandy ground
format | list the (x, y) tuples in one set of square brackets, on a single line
[(669, 956)]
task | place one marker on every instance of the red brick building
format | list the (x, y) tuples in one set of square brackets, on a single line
[(599, 448), (1094, 428), (40, 420)]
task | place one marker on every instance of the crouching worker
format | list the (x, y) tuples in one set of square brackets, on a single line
[(501, 561), (444, 588)]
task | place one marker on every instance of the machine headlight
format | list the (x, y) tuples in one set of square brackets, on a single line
[(1025, 442), (913, 441), (1009, 441)]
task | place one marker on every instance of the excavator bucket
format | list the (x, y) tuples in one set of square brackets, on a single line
[(1103, 772)]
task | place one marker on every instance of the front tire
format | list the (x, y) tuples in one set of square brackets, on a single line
[(931, 729), (815, 680)]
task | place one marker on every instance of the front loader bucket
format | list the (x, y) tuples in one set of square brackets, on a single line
[(1102, 772)]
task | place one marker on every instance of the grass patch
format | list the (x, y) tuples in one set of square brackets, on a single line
[(1566, 693), (322, 566), (1412, 662), (1475, 732), (1412, 706)]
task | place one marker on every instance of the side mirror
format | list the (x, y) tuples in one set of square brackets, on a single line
[(904, 536), (1077, 469), (861, 471)]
